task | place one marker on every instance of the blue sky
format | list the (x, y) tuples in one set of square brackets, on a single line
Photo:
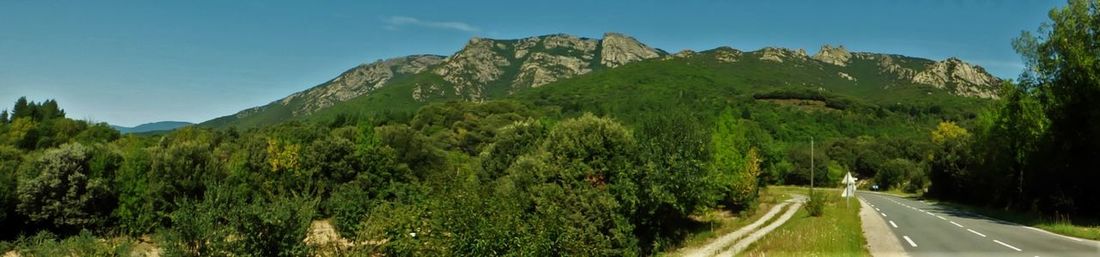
[(131, 62)]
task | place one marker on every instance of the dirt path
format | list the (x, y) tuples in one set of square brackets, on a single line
[(717, 245), (881, 241), (744, 243)]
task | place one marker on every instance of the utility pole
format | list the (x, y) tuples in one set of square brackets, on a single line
[(811, 164)]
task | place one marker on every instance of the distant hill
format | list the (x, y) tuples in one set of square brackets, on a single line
[(152, 127), (575, 72)]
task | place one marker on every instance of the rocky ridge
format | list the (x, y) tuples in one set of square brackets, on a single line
[(619, 49), (358, 81), (833, 55), (492, 68), (777, 54), (530, 62), (960, 77)]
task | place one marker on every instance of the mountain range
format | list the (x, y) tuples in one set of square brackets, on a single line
[(544, 68), (152, 127)]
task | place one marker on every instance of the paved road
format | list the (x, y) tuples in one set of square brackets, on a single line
[(931, 230)]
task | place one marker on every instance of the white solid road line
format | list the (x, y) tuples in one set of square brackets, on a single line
[(910, 241), (975, 232), (892, 224), (956, 224), (1009, 246), (1050, 233)]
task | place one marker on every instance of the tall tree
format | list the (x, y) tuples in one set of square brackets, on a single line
[(4, 117), (1064, 64), (50, 110), (21, 109), (948, 169)]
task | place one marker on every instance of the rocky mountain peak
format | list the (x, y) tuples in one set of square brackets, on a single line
[(960, 77), (618, 49), (834, 55), (359, 81), (778, 54), (727, 54), (532, 62)]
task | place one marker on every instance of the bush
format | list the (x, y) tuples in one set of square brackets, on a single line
[(64, 194), (227, 222), (349, 206), (83, 244), (816, 205)]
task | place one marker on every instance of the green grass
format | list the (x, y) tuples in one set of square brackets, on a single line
[(837, 233), (1075, 227)]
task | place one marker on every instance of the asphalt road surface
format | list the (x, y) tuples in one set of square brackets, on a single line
[(930, 230)]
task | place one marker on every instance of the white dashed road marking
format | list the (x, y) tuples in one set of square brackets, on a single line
[(975, 232), (956, 224), (892, 224), (1009, 246), (910, 241)]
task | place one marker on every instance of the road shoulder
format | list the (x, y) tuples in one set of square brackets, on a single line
[(881, 241)]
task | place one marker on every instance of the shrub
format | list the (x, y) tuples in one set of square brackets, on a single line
[(227, 222), (349, 206), (64, 194), (816, 204), (83, 244)]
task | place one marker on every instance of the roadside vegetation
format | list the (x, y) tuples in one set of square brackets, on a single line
[(836, 232), (1032, 156), (713, 223)]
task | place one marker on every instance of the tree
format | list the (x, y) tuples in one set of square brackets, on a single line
[(677, 179), (137, 213), (731, 146), (414, 150), (50, 110), (510, 142), (64, 194), (10, 159), (23, 133), (948, 163), (4, 117), (22, 109), (896, 172), (586, 203), (1063, 63)]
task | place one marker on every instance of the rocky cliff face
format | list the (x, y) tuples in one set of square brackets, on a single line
[(476, 64), (619, 49), (776, 54), (727, 54), (552, 58), (952, 74), (358, 81), (833, 55), (960, 77), (530, 62)]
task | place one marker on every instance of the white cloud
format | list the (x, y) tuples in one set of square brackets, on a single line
[(396, 22)]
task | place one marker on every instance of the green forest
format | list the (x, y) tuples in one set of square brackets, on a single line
[(559, 171)]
